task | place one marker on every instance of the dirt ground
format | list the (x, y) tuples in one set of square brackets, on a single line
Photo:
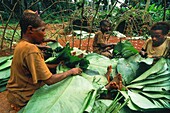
[(83, 44)]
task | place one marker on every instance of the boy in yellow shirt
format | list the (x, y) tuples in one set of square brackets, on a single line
[(28, 70), (159, 44)]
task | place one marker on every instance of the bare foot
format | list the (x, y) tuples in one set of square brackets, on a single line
[(109, 70), (116, 83)]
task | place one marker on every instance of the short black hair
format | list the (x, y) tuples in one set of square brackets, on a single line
[(164, 26), (104, 23), (29, 19)]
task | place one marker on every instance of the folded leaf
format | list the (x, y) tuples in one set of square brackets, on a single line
[(155, 69), (7, 64), (141, 101)]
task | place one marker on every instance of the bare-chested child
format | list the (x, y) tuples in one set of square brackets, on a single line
[(100, 43)]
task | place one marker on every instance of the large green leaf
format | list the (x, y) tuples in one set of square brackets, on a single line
[(129, 103), (127, 69), (5, 73), (4, 77), (5, 58), (5, 65), (148, 82), (97, 80), (157, 89), (124, 49), (100, 63), (139, 59), (141, 101), (164, 83), (155, 69), (101, 105), (156, 95), (68, 96), (151, 91), (2, 88)]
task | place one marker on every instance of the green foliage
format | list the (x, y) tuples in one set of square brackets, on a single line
[(84, 98), (74, 92), (124, 49), (5, 63), (69, 60), (95, 64), (151, 89), (157, 12)]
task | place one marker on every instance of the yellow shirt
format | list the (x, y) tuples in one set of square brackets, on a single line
[(28, 69), (162, 50)]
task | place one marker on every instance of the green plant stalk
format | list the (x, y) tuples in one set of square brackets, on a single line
[(117, 108), (124, 103), (113, 104)]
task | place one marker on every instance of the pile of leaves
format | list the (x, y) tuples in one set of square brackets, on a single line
[(124, 49), (5, 63), (145, 92), (151, 89), (148, 88), (64, 54)]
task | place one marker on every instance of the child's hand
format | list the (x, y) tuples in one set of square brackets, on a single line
[(75, 71), (43, 46), (143, 53)]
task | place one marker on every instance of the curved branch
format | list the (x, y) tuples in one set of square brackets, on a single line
[(12, 11)]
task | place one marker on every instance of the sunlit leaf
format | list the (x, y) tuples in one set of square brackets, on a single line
[(141, 101), (61, 97), (5, 65)]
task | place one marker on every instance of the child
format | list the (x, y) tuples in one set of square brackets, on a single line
[(100, 44), (28, 69), (159, 44)]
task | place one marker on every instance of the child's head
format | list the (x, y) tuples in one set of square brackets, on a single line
[(164, 26), (30, 19), (158, 32), (105, 25), (32, 26)]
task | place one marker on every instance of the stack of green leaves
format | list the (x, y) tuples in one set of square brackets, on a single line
[(5, 63), (69, 60), (75, 94), (124, 49), (82, 92), (151, 90)]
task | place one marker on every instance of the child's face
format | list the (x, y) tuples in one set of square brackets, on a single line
[(157, 37), (106, 28), (38, 34)]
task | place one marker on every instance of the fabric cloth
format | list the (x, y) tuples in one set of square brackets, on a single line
[(101, 38), (160, 51), (28, 69)]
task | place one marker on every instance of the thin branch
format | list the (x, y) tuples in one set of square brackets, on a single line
[(97, 9), (12, 11), (164, 15), (111, 10)]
